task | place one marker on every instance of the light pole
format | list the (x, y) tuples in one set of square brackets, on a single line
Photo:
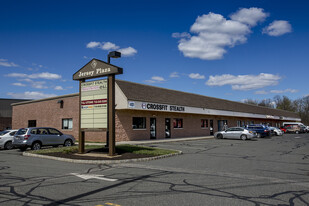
[(110, 133)]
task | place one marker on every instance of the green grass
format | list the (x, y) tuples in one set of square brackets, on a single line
[(135, 149)]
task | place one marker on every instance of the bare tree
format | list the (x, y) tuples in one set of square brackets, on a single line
[(284, 103)]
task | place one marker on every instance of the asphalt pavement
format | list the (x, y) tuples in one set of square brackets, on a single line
[(271, 171)]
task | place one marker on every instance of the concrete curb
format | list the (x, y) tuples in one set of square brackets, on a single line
[(102, 161)]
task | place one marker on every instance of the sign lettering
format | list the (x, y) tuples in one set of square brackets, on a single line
[(163, 107)]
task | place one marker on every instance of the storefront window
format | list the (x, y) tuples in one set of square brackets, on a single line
[(139, 123), (204, 123), (178, 123), (67, 123)]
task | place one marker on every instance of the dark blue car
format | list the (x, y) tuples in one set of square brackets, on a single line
[(261, 130)]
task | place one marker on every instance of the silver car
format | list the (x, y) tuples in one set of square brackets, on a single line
[(235, 133), (36, 137), (6, 138), (276, 131)]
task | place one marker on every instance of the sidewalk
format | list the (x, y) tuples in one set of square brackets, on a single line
[(154, 141)]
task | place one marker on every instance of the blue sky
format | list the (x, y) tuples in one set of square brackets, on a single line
[(226, 49)]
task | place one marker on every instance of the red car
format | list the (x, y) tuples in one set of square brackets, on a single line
[(283, 128)]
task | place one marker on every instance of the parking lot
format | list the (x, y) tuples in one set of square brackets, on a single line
[(270, 171)]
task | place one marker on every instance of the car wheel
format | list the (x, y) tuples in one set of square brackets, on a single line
[(259, 135), (68, 143), (297, 132), (36, 146), (243, 137), (220, 136), (8, 145)]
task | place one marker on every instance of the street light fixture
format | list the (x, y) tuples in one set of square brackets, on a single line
[(113, 54)]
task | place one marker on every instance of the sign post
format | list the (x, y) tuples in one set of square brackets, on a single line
[(97, 101)]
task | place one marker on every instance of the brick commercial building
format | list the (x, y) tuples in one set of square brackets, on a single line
[(148, 112)]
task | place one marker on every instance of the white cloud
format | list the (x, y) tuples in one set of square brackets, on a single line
[(215, 33), (196, 76), (43, 75), (156, 79), (129, 51), (181, 35), (19, 84), (244, 82), (109, 46), (284, 91), (58, 88), (278, 28), (30, 95), (277, 91), (6, 63), (93, 44), (38, 85), (250, 16), (174, 75), (34, 84)]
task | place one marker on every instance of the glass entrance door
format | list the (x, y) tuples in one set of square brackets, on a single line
[(222, 124), (153, 132), (211, 127), (167, 128)]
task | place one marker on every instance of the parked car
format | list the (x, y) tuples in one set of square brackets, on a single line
[(6, 138), (261, 130), (283, 129), (36, 137), (293, 129), (276, 131), (303, 129), (235, 133)]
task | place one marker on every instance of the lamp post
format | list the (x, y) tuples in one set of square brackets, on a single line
[(110, 133)]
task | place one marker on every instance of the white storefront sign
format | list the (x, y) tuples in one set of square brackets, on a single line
[(94, 104)]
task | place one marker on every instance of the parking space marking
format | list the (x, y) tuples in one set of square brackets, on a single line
[(112, 204), (93, 176), (108, 203)]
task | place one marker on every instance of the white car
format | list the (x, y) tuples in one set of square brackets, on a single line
[(276, 131), (235, 133), (6, 138)]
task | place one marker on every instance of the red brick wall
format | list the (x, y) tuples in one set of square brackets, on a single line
[(47, 114)]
